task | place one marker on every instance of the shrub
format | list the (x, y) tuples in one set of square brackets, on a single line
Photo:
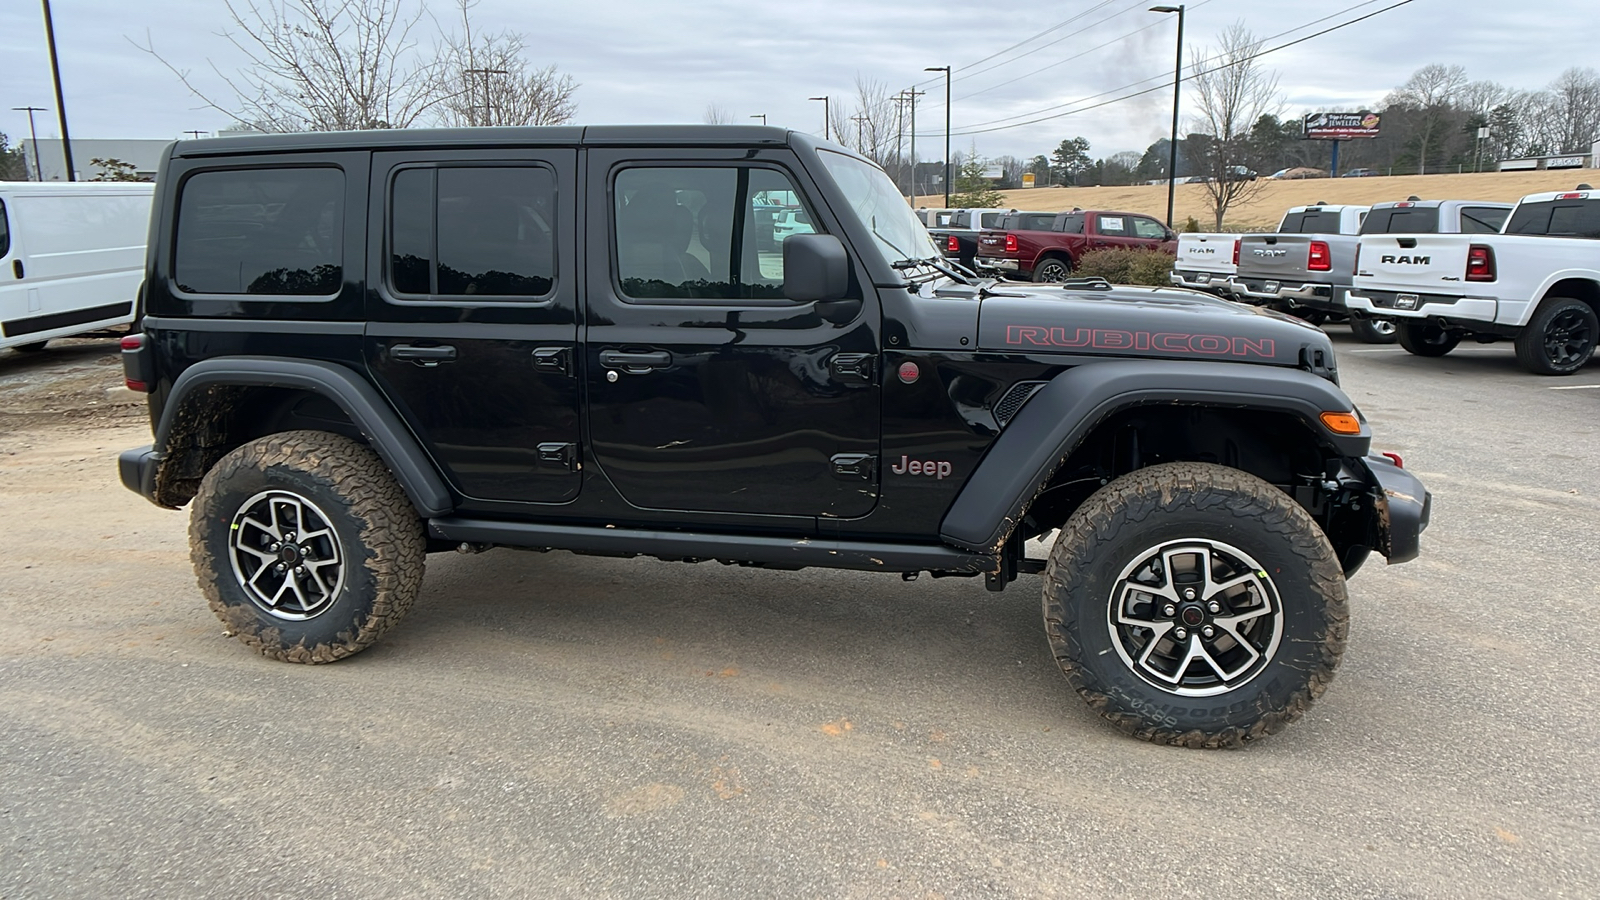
[(1127, 266)]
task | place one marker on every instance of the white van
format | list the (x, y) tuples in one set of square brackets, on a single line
[(71, 256)]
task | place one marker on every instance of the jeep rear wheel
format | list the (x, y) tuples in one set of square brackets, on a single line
[(1560, 337), (1052, 270), (305, 546), (1196, 605), (1423, 338), (1373, 330)]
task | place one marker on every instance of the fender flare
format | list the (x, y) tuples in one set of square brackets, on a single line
[(1057, 419), (361, 402)]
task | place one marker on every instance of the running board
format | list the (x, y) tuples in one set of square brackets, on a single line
[(777, 552)]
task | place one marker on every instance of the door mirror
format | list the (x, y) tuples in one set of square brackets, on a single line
[(815, 267)]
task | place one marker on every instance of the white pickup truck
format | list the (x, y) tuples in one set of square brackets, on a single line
[(1207, 262), (1536, 283)]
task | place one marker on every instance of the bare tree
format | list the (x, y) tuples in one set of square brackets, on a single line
[(869, 127), (1431, 92), (323, 65), (487, 81), (1232, 92), (1575, 104), (717, 115)]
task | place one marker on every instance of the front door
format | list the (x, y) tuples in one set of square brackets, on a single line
[(472, 314), (708, 390)]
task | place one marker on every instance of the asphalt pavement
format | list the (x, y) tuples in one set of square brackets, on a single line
[(548, 725)]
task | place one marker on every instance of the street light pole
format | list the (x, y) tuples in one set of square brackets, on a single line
[(946, 71), (1177, 84), (827, 133), (61, 103), (38, 173), (914, 93), (761, 116)]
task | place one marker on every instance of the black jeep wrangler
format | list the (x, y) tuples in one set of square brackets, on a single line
[(360, 348)]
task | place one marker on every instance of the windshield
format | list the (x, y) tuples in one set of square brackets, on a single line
[(898, 231)]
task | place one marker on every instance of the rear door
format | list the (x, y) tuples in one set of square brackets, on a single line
[(472, 314), (708, 390)]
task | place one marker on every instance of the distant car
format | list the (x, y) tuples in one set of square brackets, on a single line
[(1297, 173), (1241, 173), (1359, 173), (790, 221)]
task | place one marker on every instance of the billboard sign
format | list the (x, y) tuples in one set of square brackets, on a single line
[(1341, 126)]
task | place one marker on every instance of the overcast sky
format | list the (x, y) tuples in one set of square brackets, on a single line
[(640, 61)]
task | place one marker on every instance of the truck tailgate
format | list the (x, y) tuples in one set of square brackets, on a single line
[(1281, 257), (1206, 253), (1426, 262)]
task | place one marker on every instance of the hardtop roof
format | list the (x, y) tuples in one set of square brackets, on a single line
[(520, 136)]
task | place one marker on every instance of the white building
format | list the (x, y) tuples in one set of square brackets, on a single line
[(144, 155)]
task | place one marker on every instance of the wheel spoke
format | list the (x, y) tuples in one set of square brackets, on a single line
[(1162, 630), (265, 529), (262, 555)]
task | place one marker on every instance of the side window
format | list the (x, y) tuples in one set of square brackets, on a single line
[(1113, 226), (1580, 220), (704, 233), (261, 231), (473, 231), (1072, 224), (962, 219), (5, 231), (990, 220), (1483, 219), (1149, 228)]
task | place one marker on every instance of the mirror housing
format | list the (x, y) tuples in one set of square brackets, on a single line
[(815, 268)]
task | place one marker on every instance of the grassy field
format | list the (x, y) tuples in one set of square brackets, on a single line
[(1266, 208)]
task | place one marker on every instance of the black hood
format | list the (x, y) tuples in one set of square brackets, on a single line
[(1157, 323)]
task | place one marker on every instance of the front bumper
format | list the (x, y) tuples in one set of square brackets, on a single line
[(1424, 306), (1403, 506), (137, 468)]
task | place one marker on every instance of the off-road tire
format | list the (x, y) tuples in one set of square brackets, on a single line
[(1423, 338), (1052, 270), (1560, 338), (1172, 504), (379, 533), (34, 347), (1370, 330)]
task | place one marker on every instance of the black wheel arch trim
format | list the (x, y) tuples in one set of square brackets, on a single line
[(360, 401), (1066, 411)]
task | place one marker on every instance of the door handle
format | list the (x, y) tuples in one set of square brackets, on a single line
[(423, 356), (16, 268), (635, 363)]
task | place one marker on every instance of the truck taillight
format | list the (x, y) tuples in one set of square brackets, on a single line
[(1578, 196), (1236, 243), (1320, 258), (1480, 263), (1357, 269), (952, 244), (1011, 243)]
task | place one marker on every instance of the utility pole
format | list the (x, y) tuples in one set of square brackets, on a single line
[(861, 140), (1177, 84), (61, 103), (488, 114), (899, 130), (38, 173), (946, 71), (195, 133), (761, 116), (912, 93), (827, 133)]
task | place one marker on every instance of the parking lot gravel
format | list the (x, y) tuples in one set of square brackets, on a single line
[(558, 726)]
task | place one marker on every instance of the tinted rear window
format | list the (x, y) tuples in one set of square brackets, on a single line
[(1312, 221), (990, 220), (261, 231), (1557, 218), (1483, 219), (1397, 220), (1072, 224), (5, 231), (1029, 222), (495, 236)]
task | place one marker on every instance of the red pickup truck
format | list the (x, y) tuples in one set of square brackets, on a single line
[(1042, 253)]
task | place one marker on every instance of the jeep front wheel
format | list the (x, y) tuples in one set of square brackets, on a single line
[(305, 546), (1195, 605)]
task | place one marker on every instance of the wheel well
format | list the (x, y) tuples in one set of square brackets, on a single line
[(213, 421), (1062, 255), (1578, 289), (1277, 447)]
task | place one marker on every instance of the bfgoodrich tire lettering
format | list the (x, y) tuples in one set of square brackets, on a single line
[(1292, 609), (337, 517)]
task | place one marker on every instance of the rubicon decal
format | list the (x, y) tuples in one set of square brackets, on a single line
[(1164, 341), (934, 468)]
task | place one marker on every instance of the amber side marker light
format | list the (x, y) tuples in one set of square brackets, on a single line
[(1341, 423)]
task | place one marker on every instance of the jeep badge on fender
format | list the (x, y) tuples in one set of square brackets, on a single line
[(737, 344)]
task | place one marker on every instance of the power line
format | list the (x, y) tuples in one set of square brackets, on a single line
[(1053, 28), (978, 129)]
